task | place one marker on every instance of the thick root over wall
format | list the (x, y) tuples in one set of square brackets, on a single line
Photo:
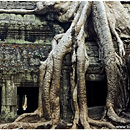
[(73, 42)]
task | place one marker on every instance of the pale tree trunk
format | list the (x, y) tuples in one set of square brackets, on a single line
[(73, 41), (109, 58)]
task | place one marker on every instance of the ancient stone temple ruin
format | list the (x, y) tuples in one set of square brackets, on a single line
[(25, 40)]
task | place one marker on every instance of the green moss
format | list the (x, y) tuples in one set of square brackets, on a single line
[(7, 115), (3, 94), (22, 41), (15, 41)]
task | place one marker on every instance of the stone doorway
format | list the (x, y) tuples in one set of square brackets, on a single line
[(96, 93), (29, 94)]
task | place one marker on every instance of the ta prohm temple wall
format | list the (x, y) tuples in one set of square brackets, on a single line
[(25, 40)]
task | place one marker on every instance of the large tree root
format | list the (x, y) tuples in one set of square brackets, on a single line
[(126, 114), (115, 118), (100, 123), (109, 60), (22, 118), (81, 108), (23, 125)]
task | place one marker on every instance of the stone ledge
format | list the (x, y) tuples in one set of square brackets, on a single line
[(95, 77), (96, 112)]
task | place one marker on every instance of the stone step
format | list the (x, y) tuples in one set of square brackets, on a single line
[(96, 112)]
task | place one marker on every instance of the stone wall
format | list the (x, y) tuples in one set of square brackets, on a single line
[(25, 40), (27, 28), (22, 56), (17, 5)]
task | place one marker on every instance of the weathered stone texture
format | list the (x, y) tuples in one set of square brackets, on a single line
[(25, 40), (22, 56), (66, 112), (27, 28), (9, 100), (17, 5)]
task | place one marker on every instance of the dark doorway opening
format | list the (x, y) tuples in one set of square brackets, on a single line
[(96, 93), (32, 99), (0, 98)]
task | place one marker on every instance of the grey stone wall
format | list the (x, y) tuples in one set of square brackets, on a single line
[(17, 5), (22, 56), (27, 28), (25, 40)]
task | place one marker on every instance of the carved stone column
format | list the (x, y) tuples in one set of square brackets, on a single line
[(66, 112), (9, 100)]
